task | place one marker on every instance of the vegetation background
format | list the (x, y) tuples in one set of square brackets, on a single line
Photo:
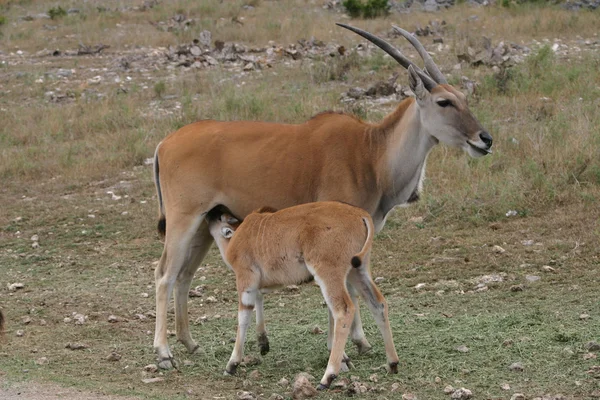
[(497, 265)]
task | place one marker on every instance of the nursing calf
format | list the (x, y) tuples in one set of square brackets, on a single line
[(328, 240)]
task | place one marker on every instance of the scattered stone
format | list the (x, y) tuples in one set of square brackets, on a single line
[(14, 286), (20, 333), (26, 320), (292, 288), (188, 363), (498, 250), (517, 288), (379, 279), (356, 387), (113, 318), (76, 346), (532, 278), (302, 388), (592, 346), (283, 382), (374, 378), (584, 316), (409, 396), (151, 368), (589, 356), (461, 394), (113, 356), (438, 380), (211, 299), (448, 389), (462, 349), (340, 383), (87, 50), (547, 268), (196, 292), (505, 386), (316, 330), (243, 395), (276, 396), (518, 367), (79, 318), (141, 317), (153, 380), (250, 360), (518, 396), (41, 361), (395, 387), (420, 286), (254, 375)]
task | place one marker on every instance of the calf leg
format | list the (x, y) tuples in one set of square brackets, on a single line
[(357, 334), (346, 363), (361, 279), (180, 230), (261, 331)]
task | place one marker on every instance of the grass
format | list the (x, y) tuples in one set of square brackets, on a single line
[(58, 160)]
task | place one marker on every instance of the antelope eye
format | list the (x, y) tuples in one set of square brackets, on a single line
[(444, 103)]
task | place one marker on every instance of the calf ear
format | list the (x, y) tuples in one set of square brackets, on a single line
[(416, 84), (227, 232)]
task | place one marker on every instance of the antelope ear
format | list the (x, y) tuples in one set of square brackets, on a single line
[(226, 232), (416, 84)]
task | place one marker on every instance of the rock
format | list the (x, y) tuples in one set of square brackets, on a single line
[(505, 386), (302, 388), (518, 396), (153, 380), (211, 299), (518, 367), (356, 387), (79, 318), (420, 286), (448, 389), (498, 250), (151, 368), (409, 396), (41, 361), (112, 319), (20, 333), (532, 278), (292, 288), (355, 93), (592, 346), (462, 349), (196, 292), (517, 288), (395, 387), (276, 396), (243, 395), (584, 316), (14, 286), (373, 378), (547, 268), (254, 375), (205, 38), (76, 346), (589, 356), (195, 51), (113, 356), (188, 363), (26, 320), (316, 330), (461, 394), (250, 360), (283, 382)]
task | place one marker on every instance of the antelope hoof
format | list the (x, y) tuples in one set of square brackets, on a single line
[(363, 346), (167, 363), (231, 369), (323, 386), (393, 367), (263, 344)]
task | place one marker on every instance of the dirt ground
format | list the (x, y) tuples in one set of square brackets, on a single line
[(47, 391)]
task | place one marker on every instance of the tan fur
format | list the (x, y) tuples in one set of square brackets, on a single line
[(247, 165), (287, 246)]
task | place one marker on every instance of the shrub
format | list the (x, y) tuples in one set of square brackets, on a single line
[(57, 12), (369, 9)]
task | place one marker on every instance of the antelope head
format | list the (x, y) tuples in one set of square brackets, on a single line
[(443, 110)]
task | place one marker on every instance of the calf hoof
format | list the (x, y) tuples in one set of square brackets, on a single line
[(193, 349), (323, 386), (263, 344), (393, 367), (362, 346), (231, 369), (346, 365)]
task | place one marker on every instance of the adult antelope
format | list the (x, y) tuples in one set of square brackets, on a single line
[(245, 165), (329, 240)]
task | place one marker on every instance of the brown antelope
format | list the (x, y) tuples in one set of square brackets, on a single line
[(328, 240), (245, 165)]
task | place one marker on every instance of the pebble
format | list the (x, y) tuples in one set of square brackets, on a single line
[(461, 394), (113, 356), (516, 367)]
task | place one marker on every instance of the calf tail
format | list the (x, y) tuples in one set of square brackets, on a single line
[(357, 260)]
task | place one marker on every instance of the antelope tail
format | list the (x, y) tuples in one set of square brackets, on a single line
[(357, 260), (162, 220)]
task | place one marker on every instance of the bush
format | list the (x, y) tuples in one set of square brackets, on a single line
[(57, 12), (370, 9)]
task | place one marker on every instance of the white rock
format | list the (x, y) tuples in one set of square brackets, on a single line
[(497, 249), (14, 286), (461, 394)]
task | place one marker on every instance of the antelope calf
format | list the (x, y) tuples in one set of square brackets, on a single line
[(328, 240)]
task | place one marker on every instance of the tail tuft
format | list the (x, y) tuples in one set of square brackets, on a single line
[(162, 226), (356, 262)]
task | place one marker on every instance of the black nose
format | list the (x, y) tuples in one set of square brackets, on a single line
[(486, 138)]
